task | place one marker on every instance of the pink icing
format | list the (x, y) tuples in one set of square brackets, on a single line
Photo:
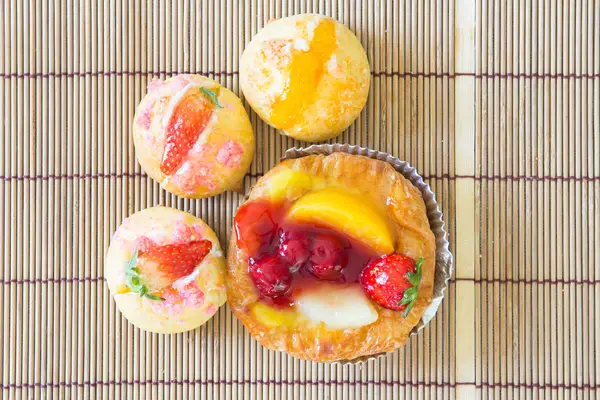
[(230, 154), (195, 173), (176, 300), (211, 309), (144, 243), (145, 118), (183, 232), (154, 85)]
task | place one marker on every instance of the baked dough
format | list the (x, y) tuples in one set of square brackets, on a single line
[(221, 155), (306, 75), (192, 299), (383, 186)]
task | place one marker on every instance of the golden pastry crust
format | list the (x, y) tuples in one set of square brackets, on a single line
[(193, 299), (341, 89), (378, 181), (222, 153)]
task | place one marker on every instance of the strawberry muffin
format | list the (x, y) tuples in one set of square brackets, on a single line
[(306, 75), (165, 270), (332, 258), (193, 136)]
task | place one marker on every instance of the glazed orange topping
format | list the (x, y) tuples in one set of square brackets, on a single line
[(306, 70)]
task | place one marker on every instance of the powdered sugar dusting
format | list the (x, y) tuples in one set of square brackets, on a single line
[(230, 155)]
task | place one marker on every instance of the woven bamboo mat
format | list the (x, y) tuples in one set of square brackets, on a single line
[(496, 103)]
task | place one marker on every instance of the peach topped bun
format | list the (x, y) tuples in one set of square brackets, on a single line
[(332, 258), (165, 270), (193, 136), (306, 75)]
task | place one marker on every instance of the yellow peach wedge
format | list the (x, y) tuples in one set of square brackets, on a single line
[(289, 184), (350, 213), (272, 317)]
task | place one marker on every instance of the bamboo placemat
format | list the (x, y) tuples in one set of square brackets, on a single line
[(496, 103)]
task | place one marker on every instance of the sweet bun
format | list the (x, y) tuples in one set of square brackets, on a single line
[(370, 213), (306, 75), (176, 281), (193, 136)]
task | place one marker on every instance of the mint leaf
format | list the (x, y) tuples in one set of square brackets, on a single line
[(133, 280), (153, 297), (410, 295), (212, 96)]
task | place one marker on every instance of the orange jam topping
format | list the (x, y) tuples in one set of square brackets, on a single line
[(306, 71)]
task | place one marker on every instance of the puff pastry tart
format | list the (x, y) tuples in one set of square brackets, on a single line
[(193, 136), (332, 258), (165, 270), (306, 75)]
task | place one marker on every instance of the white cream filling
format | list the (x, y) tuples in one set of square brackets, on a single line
[(337, 306), (301, 44)]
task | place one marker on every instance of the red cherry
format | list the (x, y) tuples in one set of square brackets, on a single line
[(327, 257), (385, 281), (255, 227), (271, 275), (294, 248)]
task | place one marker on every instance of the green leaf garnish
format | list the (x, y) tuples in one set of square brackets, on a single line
[(410, 295), (153, 297), (133, 281), (212, 96)]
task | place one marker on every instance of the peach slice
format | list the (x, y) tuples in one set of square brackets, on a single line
[(349, 213), (289, 184), (273, 317)]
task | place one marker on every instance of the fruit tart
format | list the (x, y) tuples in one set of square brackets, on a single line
[(193, 136), (306, 75), (165, 270), (331, 258)]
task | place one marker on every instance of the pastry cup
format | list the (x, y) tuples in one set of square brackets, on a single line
[(444, 259)]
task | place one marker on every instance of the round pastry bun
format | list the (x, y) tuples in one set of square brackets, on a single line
[(221, 155), (380, 184), (306, 75), (193, 299)]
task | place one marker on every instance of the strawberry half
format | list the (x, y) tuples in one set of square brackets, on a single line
[(392, 281), (190, 118), (160, 266)]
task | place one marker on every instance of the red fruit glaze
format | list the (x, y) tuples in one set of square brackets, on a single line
[(256, 228), (162, 265), (262, 230), (327, 257), (189, 119), (271, 275), (294, 248), (384, 280)]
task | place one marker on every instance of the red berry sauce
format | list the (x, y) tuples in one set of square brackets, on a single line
[(311, 253)]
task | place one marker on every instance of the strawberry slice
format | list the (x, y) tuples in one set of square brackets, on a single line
[(392, 281), (160, 266), (190, 118)]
